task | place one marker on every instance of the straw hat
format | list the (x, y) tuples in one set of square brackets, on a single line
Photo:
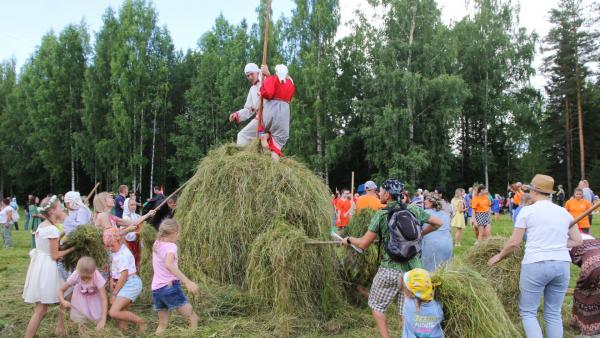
[(542, 183)]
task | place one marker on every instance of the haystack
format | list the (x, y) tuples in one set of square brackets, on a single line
[(244, 221), (471, 307), (87, 240), (504, 276), (358, 270)]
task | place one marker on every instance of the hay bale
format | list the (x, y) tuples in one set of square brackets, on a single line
[(238, 197), (471, 307), (87, 240), (279, 259), (504, 276), (358, 270), (147, 237)]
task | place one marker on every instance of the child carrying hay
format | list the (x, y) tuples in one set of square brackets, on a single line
[(86, 240), (88, 301), (422, 315)]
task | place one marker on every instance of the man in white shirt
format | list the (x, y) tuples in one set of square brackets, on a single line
[(249, 132)]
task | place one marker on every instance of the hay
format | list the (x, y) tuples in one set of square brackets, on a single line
[(504, 276), (299, 277), (471, 307), (243, 219), (87, 240), (358, 270)]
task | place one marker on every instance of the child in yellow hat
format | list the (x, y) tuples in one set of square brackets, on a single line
[(422, 315)]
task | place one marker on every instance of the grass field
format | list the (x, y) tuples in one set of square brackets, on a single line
[(15, 314)]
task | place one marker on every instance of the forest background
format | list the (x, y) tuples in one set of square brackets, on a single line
[(407, 96)]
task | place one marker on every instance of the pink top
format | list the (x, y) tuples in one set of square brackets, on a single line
[(86, 297), (162, 276)]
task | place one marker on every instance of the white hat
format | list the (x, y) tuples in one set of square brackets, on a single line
[(370, 185), (251, 68), (282, 72)]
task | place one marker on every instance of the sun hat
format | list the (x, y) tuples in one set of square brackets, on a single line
[(418, 282), (541, 183)]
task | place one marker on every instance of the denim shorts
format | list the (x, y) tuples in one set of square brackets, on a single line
[(132, 288), (169, 297)]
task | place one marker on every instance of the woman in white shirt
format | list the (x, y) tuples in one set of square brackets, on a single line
[(6, 222), (545, 269)]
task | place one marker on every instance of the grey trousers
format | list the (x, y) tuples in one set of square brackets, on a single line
[(276, 119), (248, 133)]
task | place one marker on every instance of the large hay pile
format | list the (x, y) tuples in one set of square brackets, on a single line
[(244, 221), (504, 276), (471, 307)]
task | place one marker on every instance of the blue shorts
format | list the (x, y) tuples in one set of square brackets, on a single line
[(169, 297), (132, 288)]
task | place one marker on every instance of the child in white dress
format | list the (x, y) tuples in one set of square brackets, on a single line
[(43, 280)]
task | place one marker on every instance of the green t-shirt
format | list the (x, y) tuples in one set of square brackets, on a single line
[(379, 225)]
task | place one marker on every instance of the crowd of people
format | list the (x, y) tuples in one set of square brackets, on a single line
[(551, 244), (91, 292), (421, 222)]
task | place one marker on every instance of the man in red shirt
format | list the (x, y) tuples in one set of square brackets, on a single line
[(343, 207), (279, 90)]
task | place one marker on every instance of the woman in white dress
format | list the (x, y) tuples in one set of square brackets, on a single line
[(43, 280)]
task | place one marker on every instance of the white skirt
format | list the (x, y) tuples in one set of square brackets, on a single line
[(42, 281)]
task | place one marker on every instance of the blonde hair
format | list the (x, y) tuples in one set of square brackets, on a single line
[(86, 266), (458, 193), (168, 227), (100, 202), (48, 204)]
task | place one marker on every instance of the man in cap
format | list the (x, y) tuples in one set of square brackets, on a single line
[(278, 91), (370, 200), (386, 287), (248, 133)]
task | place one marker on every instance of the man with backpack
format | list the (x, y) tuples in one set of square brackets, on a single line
[(400, 228)]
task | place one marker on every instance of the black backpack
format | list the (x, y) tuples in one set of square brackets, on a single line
[(405, 234)]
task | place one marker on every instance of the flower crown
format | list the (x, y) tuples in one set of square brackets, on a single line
[(49, 204)]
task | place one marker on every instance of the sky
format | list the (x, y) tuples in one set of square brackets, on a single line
[(24, 22)]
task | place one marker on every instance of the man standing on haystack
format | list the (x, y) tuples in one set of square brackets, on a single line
[(277, 92), (248, 133)]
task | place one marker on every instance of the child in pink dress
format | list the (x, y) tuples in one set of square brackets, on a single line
[(88, 301)]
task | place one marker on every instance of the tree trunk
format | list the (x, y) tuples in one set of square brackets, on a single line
[(409, 99), (72, 157), (580, 122), (568, 143), (153, 148), (485, 132), (141, 150)]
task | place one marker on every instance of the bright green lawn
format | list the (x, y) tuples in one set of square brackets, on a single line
[(14, 314)]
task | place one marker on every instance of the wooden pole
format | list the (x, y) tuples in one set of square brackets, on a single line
[(264, 62), (352, 186), (87, 198), (585, 214), (165, 201)]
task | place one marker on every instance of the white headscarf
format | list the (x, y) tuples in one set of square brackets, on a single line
[(74, 198), (282, 72), (251, 68)]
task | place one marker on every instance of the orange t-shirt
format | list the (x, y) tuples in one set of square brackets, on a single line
[(576, 207), (481, 204), (343, 206), (517, 198), (367, 201)]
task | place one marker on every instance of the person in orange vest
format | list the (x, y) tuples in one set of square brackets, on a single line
[(576, 206), (343, 207), (370, 199), (518, 188)]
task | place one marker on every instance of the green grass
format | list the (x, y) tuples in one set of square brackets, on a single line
[(15, 314)]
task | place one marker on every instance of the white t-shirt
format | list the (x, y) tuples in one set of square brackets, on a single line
[(120, 261), (547, 228), (4, 215)]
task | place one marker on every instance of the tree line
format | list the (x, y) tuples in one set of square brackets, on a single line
[(409, 97)]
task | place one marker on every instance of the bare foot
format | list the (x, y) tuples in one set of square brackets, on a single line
[(159, 331), (143, 327), (274, 156), (193, 321), (264, 142), (60, 332)]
